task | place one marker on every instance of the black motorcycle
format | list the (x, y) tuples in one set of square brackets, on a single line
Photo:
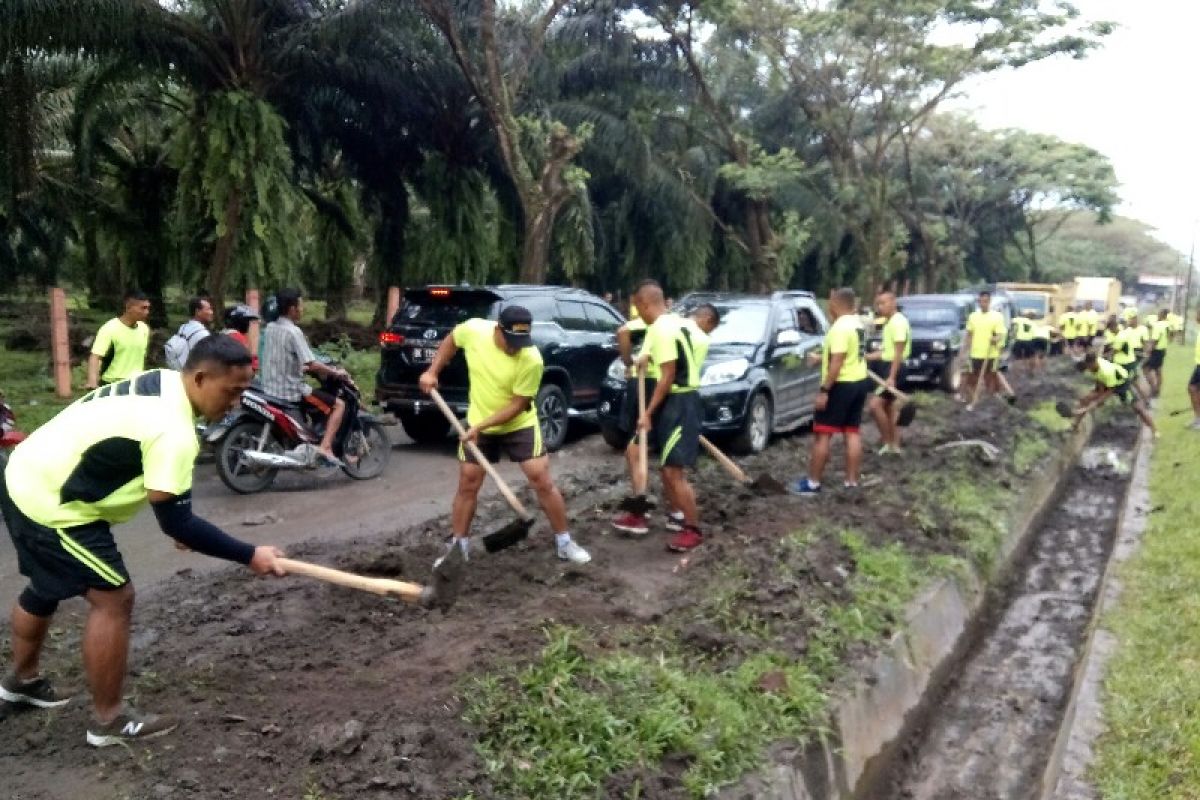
[(265, 435)]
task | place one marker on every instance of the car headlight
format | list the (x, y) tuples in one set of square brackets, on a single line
[(938, 346), (616, 371), (725, 372)]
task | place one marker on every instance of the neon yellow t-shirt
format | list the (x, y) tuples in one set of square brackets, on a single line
[(845, 336), (496, 377), (1110, 375), (637, 340), (1091, 321), (1197, 353), (97, 459), (1160, 333), (1041, 330), (1130, 313), (1066, 325), (895, 331), (678, 339), (1023, 329), (1141, 336), (983, 326), (1175, 321), (128, 346), (1125, 345)]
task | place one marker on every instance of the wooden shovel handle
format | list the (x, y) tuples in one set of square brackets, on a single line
[(474, 450), (904, 398), (726, 462), (381, 586), (643, 446)]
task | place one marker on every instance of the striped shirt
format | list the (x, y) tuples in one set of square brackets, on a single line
[(285, 351)]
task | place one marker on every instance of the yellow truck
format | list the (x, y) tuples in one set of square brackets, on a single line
[(1047, 300)]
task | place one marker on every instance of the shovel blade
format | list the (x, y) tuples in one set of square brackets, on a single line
[(765, 484), (506, 537), (1064, 409), (908, 413), (443, 589)]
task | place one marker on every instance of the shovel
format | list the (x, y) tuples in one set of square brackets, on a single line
[(447, 579), (908, 412), (639, 503), (513, 532), (763, 484)]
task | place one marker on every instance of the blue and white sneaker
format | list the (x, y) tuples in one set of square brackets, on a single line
[(804, 487)]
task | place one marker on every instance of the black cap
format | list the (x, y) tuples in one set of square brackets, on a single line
[(516, 323)]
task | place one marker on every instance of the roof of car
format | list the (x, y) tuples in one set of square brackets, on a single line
[(743, 297), (504, 288), (934, 299)]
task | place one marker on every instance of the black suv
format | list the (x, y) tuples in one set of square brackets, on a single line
[(756, 379), (574, 330), (938, 323)]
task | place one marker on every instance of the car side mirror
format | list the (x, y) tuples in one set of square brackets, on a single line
[(787, 338)]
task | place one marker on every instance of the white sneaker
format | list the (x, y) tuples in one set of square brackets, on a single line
[(573, 553), (450, 549)]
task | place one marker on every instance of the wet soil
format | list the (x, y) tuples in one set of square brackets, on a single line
[(995, 723), (288, 687)]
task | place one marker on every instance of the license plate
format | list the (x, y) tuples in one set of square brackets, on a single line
[(423, 355)]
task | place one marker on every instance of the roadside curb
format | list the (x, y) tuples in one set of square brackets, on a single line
[(869, 720), (1065, 776)]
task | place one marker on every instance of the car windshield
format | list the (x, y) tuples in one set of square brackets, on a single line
[(444, 312), (1030, 302), (931, 316), (740, 323)]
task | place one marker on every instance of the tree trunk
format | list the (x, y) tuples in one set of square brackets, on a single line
[(537, 231), (222, 257), (764, 258), (104, 284), (389, 249)]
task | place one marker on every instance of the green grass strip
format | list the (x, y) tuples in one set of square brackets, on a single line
[(1151, 750)]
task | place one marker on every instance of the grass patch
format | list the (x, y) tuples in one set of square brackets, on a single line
[(1030, 449), (1151, 749), (562, 725), (1047, 416)]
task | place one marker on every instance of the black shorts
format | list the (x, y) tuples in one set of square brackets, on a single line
[(65, 563), (1023, 349), (1125, 393), (1195, 379), (1081, 341), (843, 411), (519, 445), (977, 365), (676, 431), (627, 421), (883, 369), (1155, 361), (1041, 347)]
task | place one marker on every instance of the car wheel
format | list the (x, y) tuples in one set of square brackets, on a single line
[(951, 378), (551, 403), (424, 428), (756, 428), (613, 436)]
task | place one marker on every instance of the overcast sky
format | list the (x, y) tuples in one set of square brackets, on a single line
[(1137, 100)]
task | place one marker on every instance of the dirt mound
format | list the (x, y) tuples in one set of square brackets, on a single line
[(361, 337), (292, 688)]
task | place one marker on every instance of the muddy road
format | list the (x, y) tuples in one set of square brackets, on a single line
[(417, 486), (994, 726)]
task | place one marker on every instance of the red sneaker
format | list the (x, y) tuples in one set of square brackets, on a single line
[(687, 539), (632, 524)]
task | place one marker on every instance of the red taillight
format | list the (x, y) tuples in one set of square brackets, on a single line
[(439, 292), (389, 339)]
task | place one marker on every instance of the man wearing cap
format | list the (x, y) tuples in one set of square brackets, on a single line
[(504, 370)]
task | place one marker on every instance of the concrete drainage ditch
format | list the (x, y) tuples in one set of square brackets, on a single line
[(967, 702)]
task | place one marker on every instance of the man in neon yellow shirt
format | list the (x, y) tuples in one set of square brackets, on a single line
[(1091, 318), (985, 339), (1123, 351), (119, 350), (1156, 347), (1066, 329), (888, 364), (1194, 383), (1111, 379), (504, 371), (674, 412), (1024, 351), (1175, 321), (844, 390)]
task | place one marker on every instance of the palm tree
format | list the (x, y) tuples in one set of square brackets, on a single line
[(235, 57)]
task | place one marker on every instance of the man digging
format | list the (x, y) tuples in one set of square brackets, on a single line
[(984, 340), (888, 364), (1111, 379), (844, 390), (1156, 347), (706, 317), (673, 413), (96, 464), (504, 370)]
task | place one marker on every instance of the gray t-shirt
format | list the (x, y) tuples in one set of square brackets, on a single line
[(285, 351)]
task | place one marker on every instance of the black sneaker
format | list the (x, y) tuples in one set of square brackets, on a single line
[(37, 692), (130, 726)]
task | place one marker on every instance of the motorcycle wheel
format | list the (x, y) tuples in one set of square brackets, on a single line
[(372, 447), (240, 477)]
